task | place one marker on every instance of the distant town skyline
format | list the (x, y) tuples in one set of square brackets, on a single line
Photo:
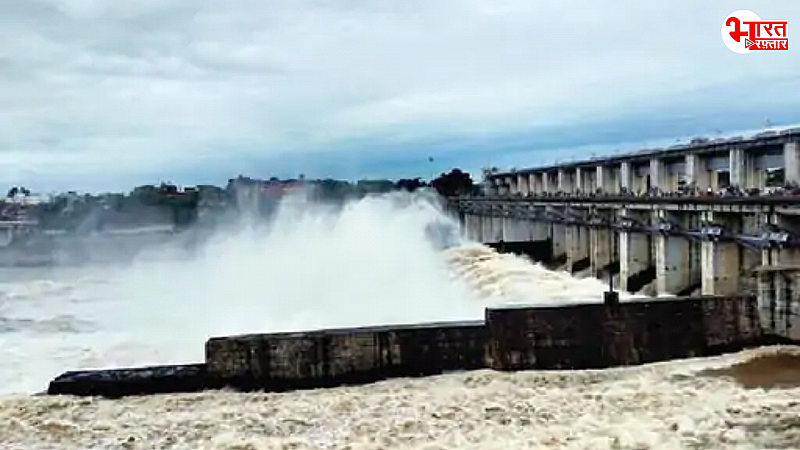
[(103, 96)]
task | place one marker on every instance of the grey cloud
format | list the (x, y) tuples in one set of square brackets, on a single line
[(126, 87)]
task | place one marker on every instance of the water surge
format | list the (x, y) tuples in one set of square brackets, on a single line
[(386, 259)]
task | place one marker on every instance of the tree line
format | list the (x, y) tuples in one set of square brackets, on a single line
[(451, 184), (70, 210)]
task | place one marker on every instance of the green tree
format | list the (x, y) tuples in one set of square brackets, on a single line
[(454, 183)]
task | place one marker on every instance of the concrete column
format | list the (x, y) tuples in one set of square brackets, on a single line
[(605, 179), (540, 231), (741, 169), (488, 230), (789, 297), (500, 186), (516, 230), (513, 189), (720, 263), (546, 186), (507, 229), (497, 229), (591, 183), (476, 228), (600, 178), (791, 162), (558, 234), (778, 300), (564, 182), (577, 245), (672, 260), (534, 184), (601, 248), (522, 184), (692, 169), (767, 303), (696, 173), (526, 229), (736, 167), (579, 187), (634, 254), (625, 175), (657, 175), (769, 287)]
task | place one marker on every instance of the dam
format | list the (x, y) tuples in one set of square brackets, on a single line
[(721, 260), (711, 217)]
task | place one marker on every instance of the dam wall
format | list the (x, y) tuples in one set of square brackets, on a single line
[(711, 217), (583, 336), (595, 336), (323, 358)]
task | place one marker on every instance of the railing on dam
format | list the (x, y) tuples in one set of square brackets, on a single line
[(767, 200)]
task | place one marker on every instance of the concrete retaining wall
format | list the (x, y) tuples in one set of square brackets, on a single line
[(559, 337), (597, 336), (356, 355)]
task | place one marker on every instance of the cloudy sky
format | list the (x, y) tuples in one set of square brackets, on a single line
[(105, 94)]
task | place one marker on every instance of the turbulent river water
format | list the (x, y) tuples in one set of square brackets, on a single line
[(387, 259)]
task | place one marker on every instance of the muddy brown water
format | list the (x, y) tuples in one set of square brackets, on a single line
[(774, 370)]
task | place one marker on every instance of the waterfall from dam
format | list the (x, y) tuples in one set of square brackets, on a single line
[(393, 258)]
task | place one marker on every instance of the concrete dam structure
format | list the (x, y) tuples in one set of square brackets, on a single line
[(713, 217), (722, 257)]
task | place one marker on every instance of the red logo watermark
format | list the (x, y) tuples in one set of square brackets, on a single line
[(743, 32)]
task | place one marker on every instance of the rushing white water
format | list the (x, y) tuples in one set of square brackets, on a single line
[(387, 259)]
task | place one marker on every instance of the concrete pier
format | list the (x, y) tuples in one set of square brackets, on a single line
[(720, 259), (577, 248), (602, 255), (636, 253)]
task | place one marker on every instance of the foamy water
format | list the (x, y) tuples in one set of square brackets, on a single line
[(381, 260)]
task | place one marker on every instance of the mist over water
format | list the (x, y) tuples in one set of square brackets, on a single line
[(313, 265), (385, 259)]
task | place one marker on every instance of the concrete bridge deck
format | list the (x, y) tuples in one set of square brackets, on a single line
[(757, 202), (762, 162)]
